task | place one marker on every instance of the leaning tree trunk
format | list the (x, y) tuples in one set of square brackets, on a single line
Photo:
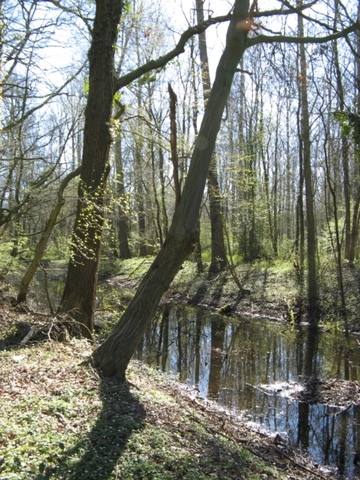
[(80, 286), (41, 246), (113, 356)]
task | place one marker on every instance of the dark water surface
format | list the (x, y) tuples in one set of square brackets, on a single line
[(233, 361)]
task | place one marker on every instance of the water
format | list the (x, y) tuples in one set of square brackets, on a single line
[(233, 362)]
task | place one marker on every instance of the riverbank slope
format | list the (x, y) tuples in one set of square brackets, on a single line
[(61, 419)]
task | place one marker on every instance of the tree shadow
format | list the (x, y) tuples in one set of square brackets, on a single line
[(204, 291), (199, 295), (96, 455), (217, 293)]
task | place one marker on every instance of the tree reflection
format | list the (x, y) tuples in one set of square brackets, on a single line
[(163, 342), (232, 360), (307, 367), (217, 356)]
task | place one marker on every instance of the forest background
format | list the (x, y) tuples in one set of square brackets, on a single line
[(283, 185)]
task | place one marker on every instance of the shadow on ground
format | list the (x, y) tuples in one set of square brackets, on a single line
[(207, 294), (97, 455)]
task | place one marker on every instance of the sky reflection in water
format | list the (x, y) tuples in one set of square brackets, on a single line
[(230, 360)]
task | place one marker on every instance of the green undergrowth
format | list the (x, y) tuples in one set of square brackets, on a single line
[(269, 288), (59, 419), (265, 282)]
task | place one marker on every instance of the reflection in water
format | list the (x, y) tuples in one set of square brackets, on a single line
[(231, 361), (216, 356), (307, 354)]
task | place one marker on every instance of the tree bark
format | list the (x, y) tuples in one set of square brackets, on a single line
[(41, 246), (356, 187), (113, 356), (122, 217), (80, 286), (173, 144), (312, 285), (218, 252)]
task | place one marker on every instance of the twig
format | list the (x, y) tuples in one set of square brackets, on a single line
[(300, 465), (29, 335), (46, 288)]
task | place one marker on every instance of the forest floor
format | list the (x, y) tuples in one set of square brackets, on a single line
[(60, 419), (269, 290)]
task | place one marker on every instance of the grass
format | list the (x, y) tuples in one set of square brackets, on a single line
[(59, 419), (272, 289)]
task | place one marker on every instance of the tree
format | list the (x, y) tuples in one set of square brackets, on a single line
[(218, 252), (121, 213), (41, 246), (305, 152), (80, 285), (113, 356), (34, 139)]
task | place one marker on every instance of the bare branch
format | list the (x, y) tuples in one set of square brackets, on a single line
[(300, 12), (162, 61), (292, 39), (45, 102), (287, 11), (73, 11)]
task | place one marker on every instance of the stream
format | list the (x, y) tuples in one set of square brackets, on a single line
[(251, 365)]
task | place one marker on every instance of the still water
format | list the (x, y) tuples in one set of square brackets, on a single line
[(233, 361)]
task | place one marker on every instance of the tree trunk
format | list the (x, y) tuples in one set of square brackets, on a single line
[(356, 173), (41, 246), (139, 149), (163, 193), (218, 252), (80, 286), (173, 144), (312, 286), (300, 222), (140, 202), (195, 114), (113, 356), (122, 218)]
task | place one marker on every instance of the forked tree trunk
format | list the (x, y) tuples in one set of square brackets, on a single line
[(113, 356)]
